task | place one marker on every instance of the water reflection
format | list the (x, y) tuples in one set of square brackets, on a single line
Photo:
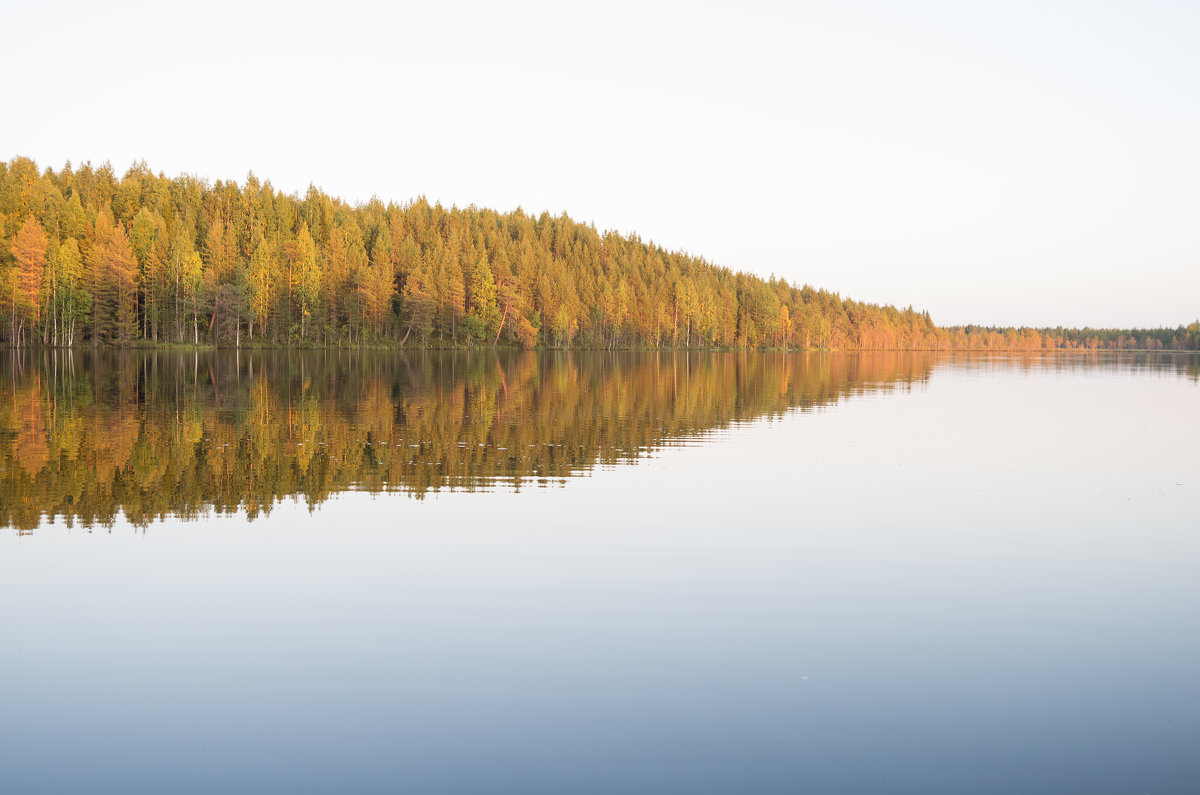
[(89, 435), (981, 577), (1171, 364)]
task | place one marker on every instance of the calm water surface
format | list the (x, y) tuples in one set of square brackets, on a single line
[(555, 573)]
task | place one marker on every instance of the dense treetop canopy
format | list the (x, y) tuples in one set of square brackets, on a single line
[(87, 256)]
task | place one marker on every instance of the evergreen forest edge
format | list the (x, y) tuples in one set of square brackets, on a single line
[(88, 258)]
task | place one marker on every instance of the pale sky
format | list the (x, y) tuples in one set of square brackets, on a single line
[(1006, 163)]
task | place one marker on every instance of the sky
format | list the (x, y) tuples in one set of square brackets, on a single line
[(1007, 163)]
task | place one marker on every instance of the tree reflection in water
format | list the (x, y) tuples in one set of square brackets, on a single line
[(89, 435)]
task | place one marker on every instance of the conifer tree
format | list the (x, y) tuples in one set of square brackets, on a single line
[(482, 297), (29, 253), (121, 285), (262, 283), (96, 276), (305, 279), (73, 300)]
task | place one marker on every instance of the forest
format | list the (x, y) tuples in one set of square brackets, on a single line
[(87, 257)]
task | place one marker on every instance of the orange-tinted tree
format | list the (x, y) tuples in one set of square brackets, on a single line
[(29, 253)]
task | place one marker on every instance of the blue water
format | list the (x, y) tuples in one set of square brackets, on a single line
[(987, 580)]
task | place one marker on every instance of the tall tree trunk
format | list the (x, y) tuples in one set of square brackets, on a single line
[(502, 318), (213, 320)]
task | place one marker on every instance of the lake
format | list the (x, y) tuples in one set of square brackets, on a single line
[(599, 572)]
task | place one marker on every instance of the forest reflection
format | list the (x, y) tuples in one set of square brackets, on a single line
[(89, 435)]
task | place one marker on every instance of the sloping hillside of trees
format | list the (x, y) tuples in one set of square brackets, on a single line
[(86, 257)]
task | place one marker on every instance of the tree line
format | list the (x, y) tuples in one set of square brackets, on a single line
[(87, 257)]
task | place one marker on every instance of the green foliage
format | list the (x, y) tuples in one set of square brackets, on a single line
[(474, 328)]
